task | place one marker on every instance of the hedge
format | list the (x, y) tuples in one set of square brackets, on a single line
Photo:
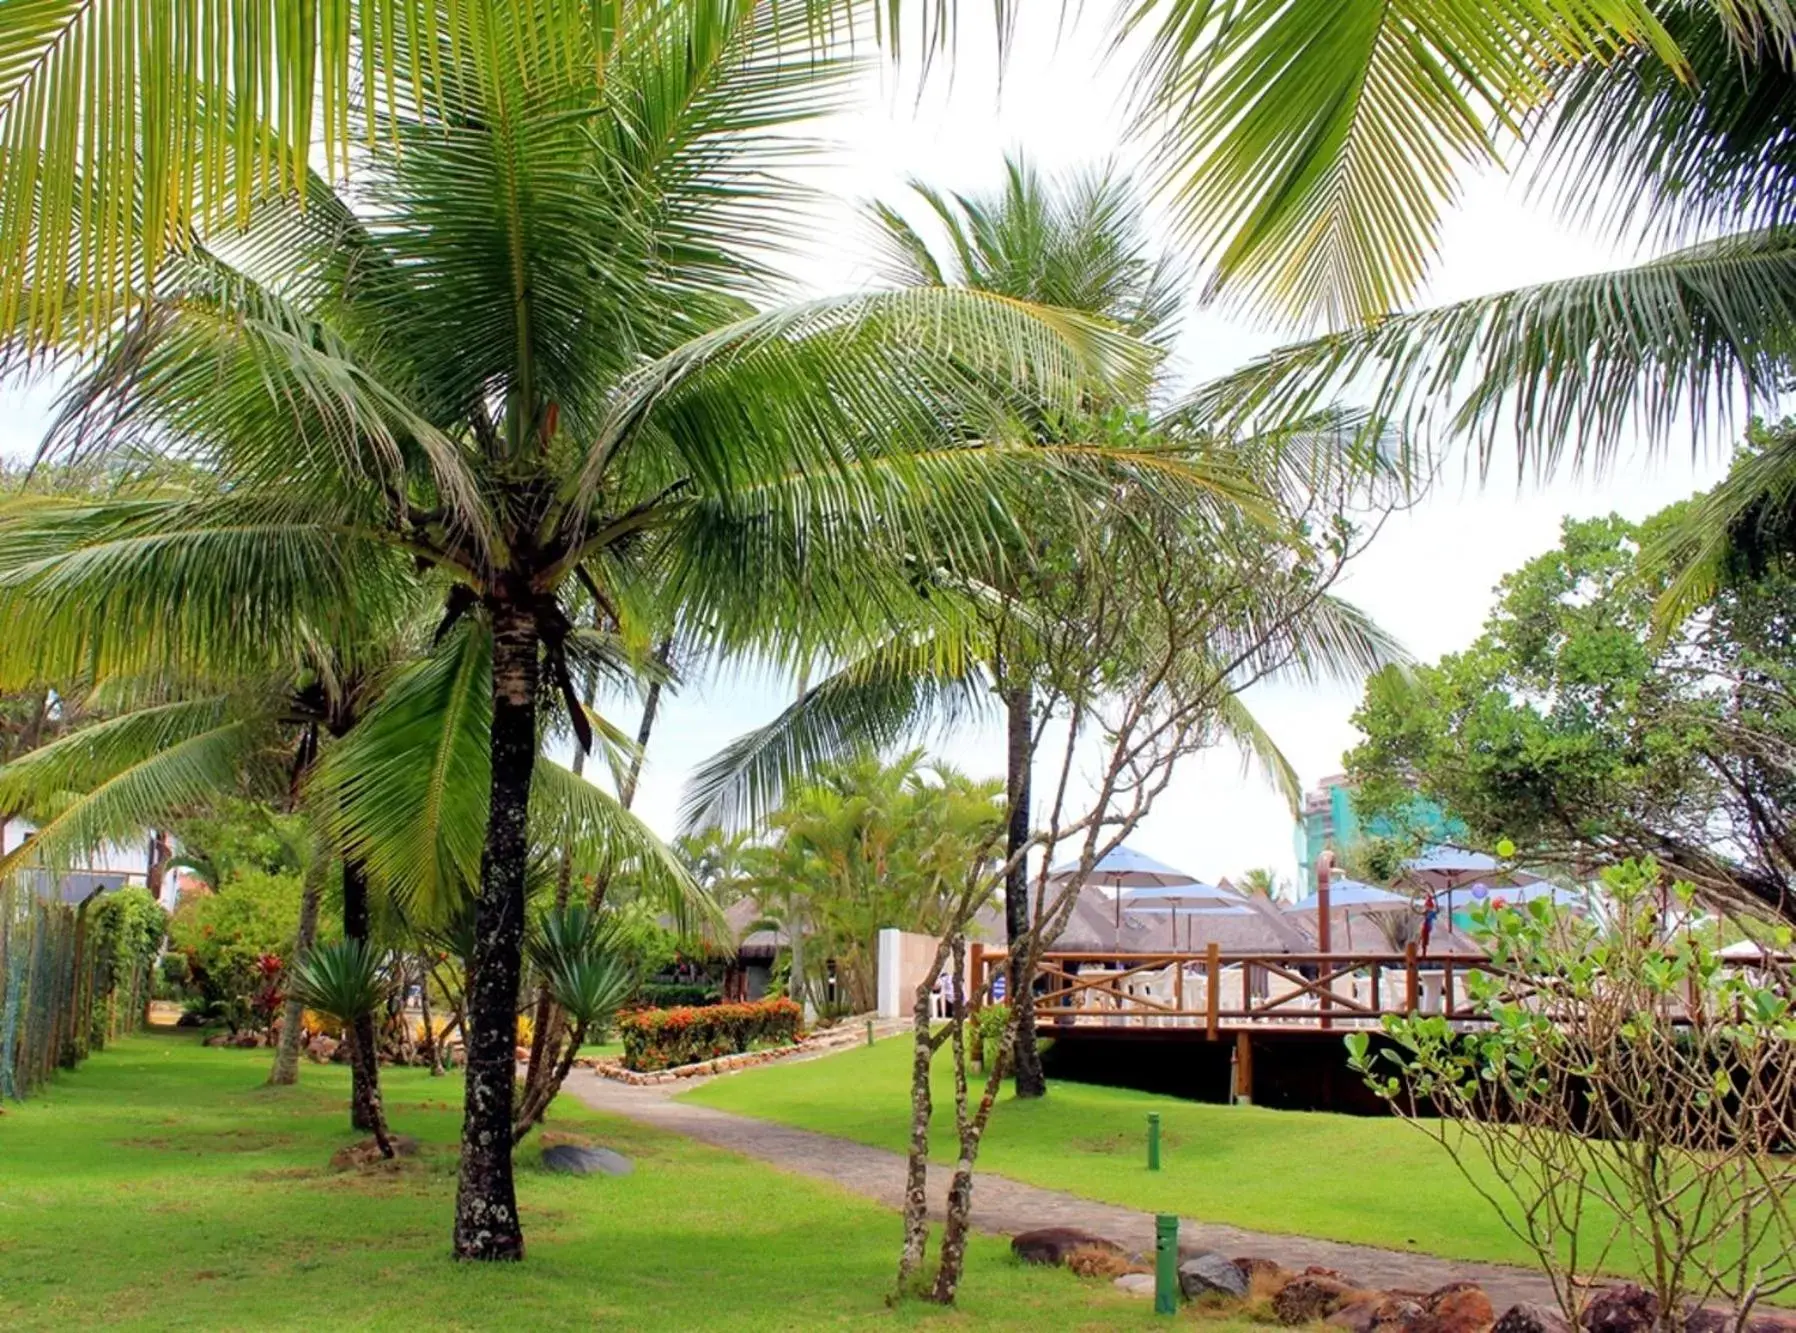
[(666, 1038)]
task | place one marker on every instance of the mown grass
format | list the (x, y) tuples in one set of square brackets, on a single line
[(161, 1186), (1349, 1178)]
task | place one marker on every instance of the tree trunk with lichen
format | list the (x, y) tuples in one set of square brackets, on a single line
[(486, 1210), (364, 1076), (286, 1055), (916, 1174)]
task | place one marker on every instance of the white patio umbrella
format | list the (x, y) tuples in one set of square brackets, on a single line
[(1348, 897), (1198, 899), (1143, 884)]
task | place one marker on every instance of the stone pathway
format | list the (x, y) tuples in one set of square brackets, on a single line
[(1005, 1207)]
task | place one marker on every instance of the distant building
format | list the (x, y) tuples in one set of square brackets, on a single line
[(1330, 820)]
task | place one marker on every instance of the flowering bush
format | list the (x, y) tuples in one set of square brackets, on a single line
[(665, 1038)]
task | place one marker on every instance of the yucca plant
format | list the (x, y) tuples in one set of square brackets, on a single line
[(345, 981), (589, 978)]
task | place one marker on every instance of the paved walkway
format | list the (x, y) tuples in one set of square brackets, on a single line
[(1005, 1207)]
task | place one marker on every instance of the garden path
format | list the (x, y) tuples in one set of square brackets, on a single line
[(1005, 1207)]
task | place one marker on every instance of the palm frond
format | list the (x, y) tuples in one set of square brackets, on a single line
[(1312, 146), (1569, 367), (1241, 726), (875, 702), (110, 780)]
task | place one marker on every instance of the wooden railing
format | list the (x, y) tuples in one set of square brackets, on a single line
[(1213, 990)]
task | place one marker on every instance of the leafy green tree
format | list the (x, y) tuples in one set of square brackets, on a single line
[(605, 419), (1573, 730), (868, 843)]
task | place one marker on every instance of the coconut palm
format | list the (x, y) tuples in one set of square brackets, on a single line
[(1079, 244), (519, 352)]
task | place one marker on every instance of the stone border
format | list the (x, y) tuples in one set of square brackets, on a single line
[(839, 1037)]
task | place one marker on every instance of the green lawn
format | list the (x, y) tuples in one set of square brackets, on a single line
[(1350, 1178), (159, 1186)]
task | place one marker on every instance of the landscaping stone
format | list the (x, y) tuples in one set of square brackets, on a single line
[(1264, 1276), (1094, 1261), (1530, 1318), (1052, 1245), (1310, 1297), (572, 1159), (1458, 1307), (1624, 1308), (1136, 1284), (1207, 1273), (1398, 1312), (1361, 1316), (320, 1049)]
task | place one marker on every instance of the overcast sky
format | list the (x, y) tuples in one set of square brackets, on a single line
[(1428, 578)]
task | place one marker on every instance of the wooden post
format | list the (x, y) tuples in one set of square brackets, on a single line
[(1447, 987), (1213, 984), (1410, 981), (1325, 866), (1178, 984), (1244, 1068)]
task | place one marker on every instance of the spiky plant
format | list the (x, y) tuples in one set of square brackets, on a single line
[(345, 980)]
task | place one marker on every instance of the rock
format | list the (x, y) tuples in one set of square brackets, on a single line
[(1052, 1245), (1530, 1318), (1458, 1307), (1305, 1299), (1623, 1308), (1772, 1323), (321, 1048), (367, 1152), (1357, 1316), (1264, 1276), (1398, 1313), (572, 1159), (216, 1039), (1136, 1284), (1209, 1274)]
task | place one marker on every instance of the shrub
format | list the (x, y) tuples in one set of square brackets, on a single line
[(675, 995), (666, 1038)]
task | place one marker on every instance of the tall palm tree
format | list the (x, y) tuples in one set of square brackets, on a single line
[(1079, 244), (519, 350)]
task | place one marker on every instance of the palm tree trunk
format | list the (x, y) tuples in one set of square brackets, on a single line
[(1020, 990), (286, 1055), (364, 1075), (361, 1056), (430, 1032), (486, 1208)]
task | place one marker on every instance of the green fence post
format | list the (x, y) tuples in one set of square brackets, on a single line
[(1166, 1263), (1153, 1140), (869, 1032)]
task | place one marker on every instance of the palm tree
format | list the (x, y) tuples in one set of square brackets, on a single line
[(1079, 244), (520, 354), (1261, 882)]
